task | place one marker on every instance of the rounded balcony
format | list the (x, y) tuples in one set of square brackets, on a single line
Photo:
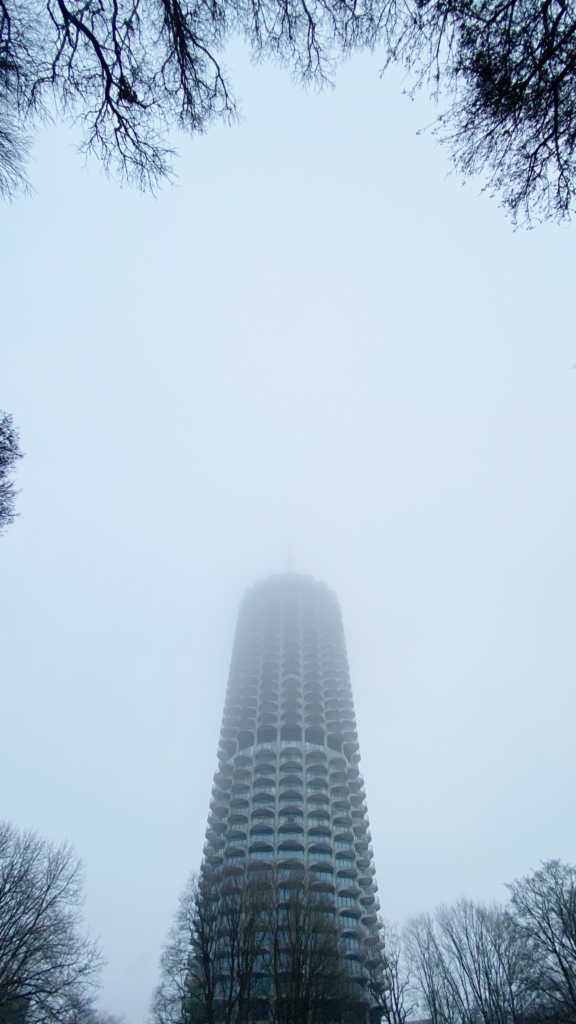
[(290, 780), (290, 813), (346, 898), (290, 832), (215, 860), (263, 798), (238, 803), (345, 859), (369, 918), (346, 873), (316, 787), (259, 869), (355, 781), (319, 833), (291, 796), (339, 792), (239, 788), (263, 813), (264, 783), (265, 752), (318, 819), (316, 762), (319, 854), (348, 919), (238, 820), (369, 900), (366, 884), (341, 807), (321, 881), (216, 823), (286, 859), (289, 752), (317, 799), (245, 739), (261, 851), (234, 855), (265, 832), (342, 821), (357, 800)]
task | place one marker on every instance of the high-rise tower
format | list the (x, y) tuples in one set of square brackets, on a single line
[(288, 793)]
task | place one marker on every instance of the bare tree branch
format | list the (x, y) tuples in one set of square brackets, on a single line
[(45, 960), (10, 451)]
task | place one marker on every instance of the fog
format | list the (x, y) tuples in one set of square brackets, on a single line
[(316, 351)]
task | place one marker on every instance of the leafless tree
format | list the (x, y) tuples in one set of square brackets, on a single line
[(238, 948), (209, 962), (389, 978), (308, 979), (473, 965), (429, 970), (80, 1009), (129, 70), (507, 72), (45, 960), (544, 904), (9, 452), (189, 955)]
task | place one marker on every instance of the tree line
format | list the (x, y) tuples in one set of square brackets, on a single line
[(49, 967), (271, 949), (132, 72), (261, 951), (510, 964)]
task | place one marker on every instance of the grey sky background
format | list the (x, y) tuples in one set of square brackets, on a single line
[(318, 346)]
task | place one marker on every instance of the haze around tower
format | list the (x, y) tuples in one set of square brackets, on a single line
[(316, 340)]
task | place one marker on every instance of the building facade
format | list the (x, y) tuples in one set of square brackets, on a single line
[(288, 795)]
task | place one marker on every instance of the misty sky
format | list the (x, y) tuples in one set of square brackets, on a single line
[(317, 350)]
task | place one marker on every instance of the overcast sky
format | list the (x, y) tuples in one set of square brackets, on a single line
[(316, 350)]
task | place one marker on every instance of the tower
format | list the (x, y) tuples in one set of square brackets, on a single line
[(288, 795)]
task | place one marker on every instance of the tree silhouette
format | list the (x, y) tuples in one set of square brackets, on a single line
[(507, 69), (9, 455), (47, 965), (130, 71)]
